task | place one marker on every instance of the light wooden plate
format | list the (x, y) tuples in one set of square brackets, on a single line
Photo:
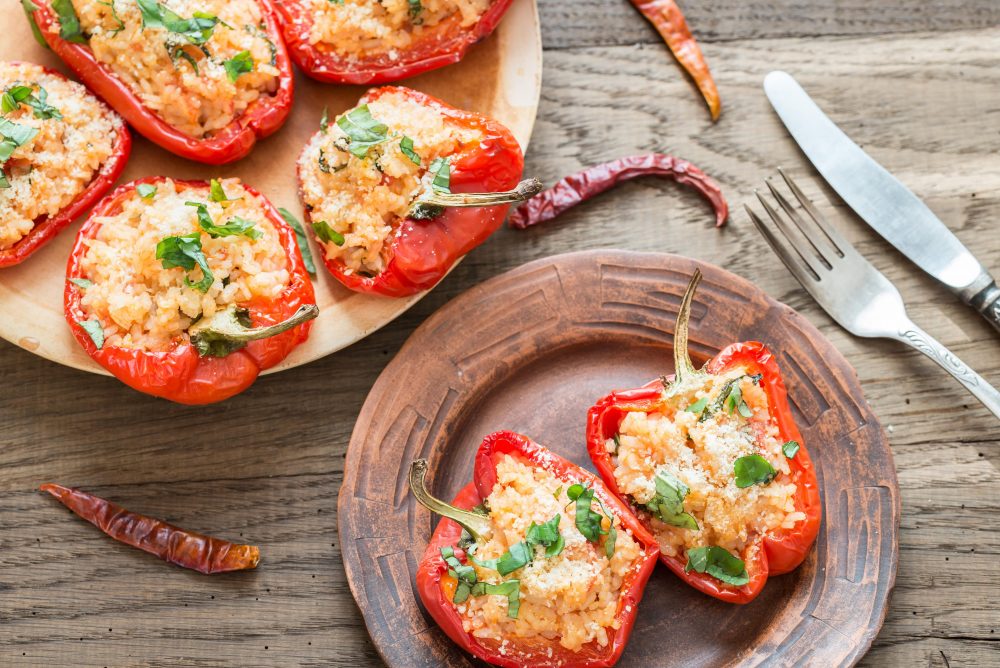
[(500, 77), (531, 351)]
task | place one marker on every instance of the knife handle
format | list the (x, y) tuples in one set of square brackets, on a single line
[(987, 302)]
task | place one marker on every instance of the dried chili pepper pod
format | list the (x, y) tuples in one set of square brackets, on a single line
[(187, 290), (333, 41), (400, 187), (186, 549), (205, 86), (61, 150), (713, 465), (534, 562)]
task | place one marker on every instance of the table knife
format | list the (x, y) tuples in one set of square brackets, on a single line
[(881, 200)]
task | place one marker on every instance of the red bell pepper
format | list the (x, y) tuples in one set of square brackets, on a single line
[(483, 179), (436, 588), (182, 374), (779, 550), (445, 45), (47, 227), (263, 117)]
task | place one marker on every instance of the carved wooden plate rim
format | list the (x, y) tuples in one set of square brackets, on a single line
[(457, 370)]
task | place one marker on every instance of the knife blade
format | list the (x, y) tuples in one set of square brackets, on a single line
[(881, 200)]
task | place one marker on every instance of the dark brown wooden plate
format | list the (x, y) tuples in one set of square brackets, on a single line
[(530, 351)]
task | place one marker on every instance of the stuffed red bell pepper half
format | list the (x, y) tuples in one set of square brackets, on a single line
[(713, 465), (61, 150), (376, 42), (204, 79), (187, 290), (400, 187), (535, 563)]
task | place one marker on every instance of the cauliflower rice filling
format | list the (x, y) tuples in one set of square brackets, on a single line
[(701, 453), (198, 88), (571, 598), (52, 168), (364, 27), (139, 303), (363, 199)]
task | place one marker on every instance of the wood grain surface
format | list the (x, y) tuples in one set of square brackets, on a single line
[(580, 326), (914, 82)]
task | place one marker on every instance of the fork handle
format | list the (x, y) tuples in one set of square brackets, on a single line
[(917, 338), (987, 302)]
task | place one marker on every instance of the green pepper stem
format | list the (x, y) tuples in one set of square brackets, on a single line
[(430, 202), (229, 330), (477, 525), (682, 359)]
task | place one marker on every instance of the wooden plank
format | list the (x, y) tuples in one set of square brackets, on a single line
[(268, 463), (585, 23)]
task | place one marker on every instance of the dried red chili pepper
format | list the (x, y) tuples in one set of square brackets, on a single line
[(47, 227), (437, 587), (669, 21), (593, 181), (776, 551), (262, 118), (445, 45), (184, 548)]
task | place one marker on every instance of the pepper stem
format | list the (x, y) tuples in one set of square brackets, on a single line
[(230, 330), (431, 203), (682, 359), (477, 525)]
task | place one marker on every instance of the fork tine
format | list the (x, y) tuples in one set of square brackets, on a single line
[(803, 272), (823, 250), (793, 238), (832, 235)]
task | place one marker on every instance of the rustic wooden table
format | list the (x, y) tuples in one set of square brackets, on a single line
[(914, 82)]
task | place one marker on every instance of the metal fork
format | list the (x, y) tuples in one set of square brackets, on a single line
[(848, 287)]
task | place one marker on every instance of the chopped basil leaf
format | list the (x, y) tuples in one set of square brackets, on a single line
[(178, 51), (29, 11), (522, 553), (94, 330), (236, 226), (791, 448), (184, 252), (217, 194), (463, 573), (719, 563), (698, 406), (300, 239), (69, 22), (555, 494), (588, 522), (406, 146), (546, 535), (15, 96), (667, 504), (82, 283), (363, 130), (324, 165), (753, 470), (336, 2), (618, 442), (327, 234), (324, 122), (511, 589), (442, 175), (241, 63), (13, 135), (146, 190), (196, 30), (114, 15), (4, 183), (517, 556)]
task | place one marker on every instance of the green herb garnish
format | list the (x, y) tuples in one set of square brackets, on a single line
[(791, 448), (522, 553), (324, 121), (300, 239), (12, 135), (588, 522), (327, 234), (146, 190), (363, 130), (82, 283), (719, 563), (415, 9), (442, 175), (698, 407), (114, 15), (668, 502), (469, 584), (406, 146), (217, 194), (753, 470), (15, 96), (94, 330), (185, 252), (236, 226), (241, 63), (197, 30), (618, 442), (69, 23)]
